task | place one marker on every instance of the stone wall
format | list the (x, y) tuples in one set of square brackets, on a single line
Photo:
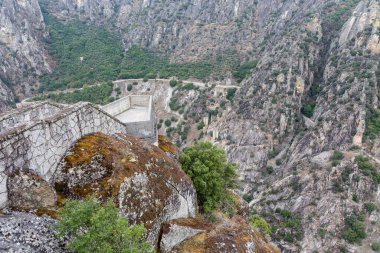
[(31, 113), (40, 145)]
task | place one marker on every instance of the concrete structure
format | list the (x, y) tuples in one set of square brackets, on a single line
[(35, 138), (138, 115)]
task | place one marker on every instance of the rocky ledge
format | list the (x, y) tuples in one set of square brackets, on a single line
[(145, 182)]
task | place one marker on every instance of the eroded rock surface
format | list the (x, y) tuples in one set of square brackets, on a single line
[(148, 186), (28, 233), (28, 191), (226, 235)]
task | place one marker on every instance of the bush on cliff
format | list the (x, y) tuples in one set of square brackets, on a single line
[(96, 228), (211, 173)]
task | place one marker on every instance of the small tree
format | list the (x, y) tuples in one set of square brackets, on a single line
[(168, 122), (173, 83), (92, 227), (231, 93), (212, 174), (129, 87)]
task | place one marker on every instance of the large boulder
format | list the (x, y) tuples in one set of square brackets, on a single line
[(28, 192), (148, 186), (232, 235)]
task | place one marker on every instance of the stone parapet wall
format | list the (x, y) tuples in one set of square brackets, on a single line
[(39, 146), (31, 113)]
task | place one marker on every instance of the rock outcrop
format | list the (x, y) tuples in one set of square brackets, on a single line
[(22, 48), (226, 235), (28, 191), (25, 232), (148, 186)]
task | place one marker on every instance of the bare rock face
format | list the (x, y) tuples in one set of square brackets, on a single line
[(25, 232), (227, 235), (28, 192), (148, 186), (22, 50)]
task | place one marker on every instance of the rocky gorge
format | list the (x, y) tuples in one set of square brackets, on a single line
[(304, 124)]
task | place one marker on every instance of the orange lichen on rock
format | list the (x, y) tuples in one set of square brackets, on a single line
[(145, 183), (166, 145), (227, 235)]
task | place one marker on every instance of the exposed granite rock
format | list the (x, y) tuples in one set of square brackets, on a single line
[(148, 186), (166, 145), (28, 191), (175, 232), (28, 233), (22, 48), (226, 235)]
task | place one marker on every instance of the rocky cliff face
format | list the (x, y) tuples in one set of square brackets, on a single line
[(313, 92), (315, 64), (144, 181), (188, 30), (22, 48)]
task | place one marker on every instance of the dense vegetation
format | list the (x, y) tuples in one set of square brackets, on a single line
[(367, 168), (286, 225), (354, 231), (97, 228), (257, 222), (97, 94), (88, 54), (211, 173), (373, 123), (101, 50), (244, 70)]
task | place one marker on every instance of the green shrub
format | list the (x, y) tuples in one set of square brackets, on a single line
[(98, 94), (231, 93), (244, 70), (375, 246), (367, 168), (257, 222), (248, 197), (92, 227), (129, 87), (269, 170), (211, 173), (173, 104), (308, 110), (354, 230), (322, 233), (373, 123), (285, 226), (337, 155), (168, 122), (201, 125), (370, 207), (173, 83), (337, 186), (188, 86), (273, 153)]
